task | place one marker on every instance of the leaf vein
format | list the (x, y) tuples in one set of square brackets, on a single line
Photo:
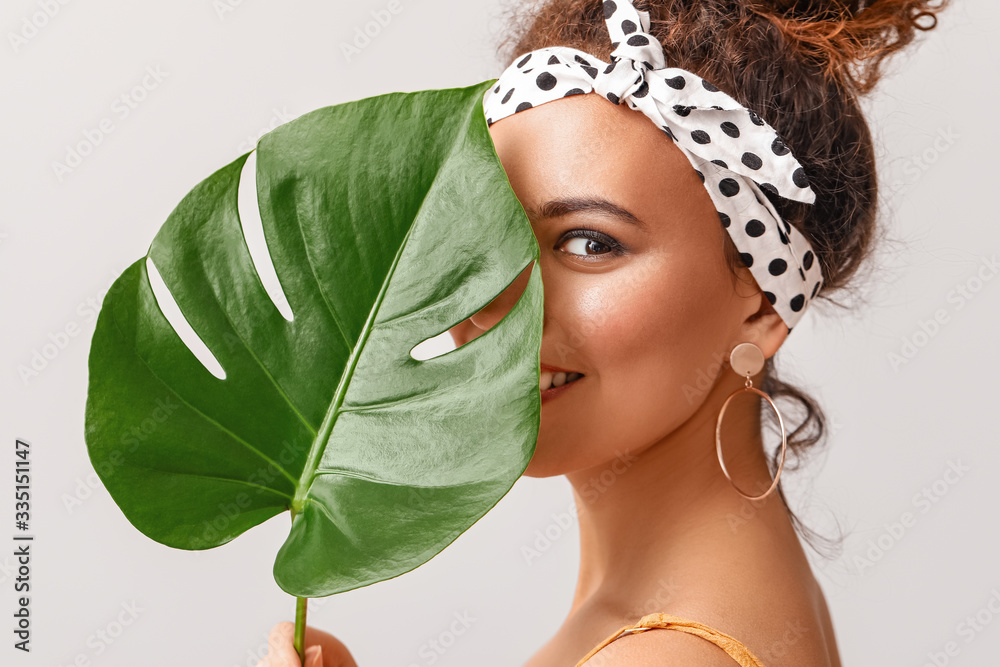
[(224, 479), (267, 372), (196, 410)]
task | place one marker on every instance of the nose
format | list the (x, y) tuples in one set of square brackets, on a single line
[(488, 316)]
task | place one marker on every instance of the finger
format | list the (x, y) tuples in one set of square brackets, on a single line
[(314, 656), (335, 653), (281, 646)]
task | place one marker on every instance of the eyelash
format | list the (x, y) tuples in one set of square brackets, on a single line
[(616, 248)]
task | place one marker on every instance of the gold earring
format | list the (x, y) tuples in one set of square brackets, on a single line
[(747, 359)]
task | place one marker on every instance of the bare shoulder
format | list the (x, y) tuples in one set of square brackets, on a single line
[(795, 644), (659, 647), (790, 627), (758, 592), (765, 599)]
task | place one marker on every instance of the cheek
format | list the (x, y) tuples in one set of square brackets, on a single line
[(652, 336), (665, 344), (668, 333)]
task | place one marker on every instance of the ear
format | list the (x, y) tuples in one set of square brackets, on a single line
[(765, 328), (761, 325)]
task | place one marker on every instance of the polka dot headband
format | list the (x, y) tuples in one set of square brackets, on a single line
[(735, 153)]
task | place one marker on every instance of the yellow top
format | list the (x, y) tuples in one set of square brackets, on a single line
[(734, 648)]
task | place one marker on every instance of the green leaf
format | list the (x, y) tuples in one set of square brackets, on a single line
[(388, 220)]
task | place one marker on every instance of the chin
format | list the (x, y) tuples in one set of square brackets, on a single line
[(547, 462), (540, 467)]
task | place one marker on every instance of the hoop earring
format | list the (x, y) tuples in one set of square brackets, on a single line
[(747, 359)]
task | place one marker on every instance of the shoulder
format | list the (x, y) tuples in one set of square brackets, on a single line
[(779, 614), (661, 647), (796, 641)]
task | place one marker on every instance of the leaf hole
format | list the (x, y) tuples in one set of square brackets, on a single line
[(253, 233), (477, 324), (175, 318)]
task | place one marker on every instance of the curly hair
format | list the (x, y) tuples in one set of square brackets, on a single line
[(801, 65)]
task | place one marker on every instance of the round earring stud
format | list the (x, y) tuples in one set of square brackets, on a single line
[(746, 359)]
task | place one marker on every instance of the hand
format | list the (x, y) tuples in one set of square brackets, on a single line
[(322, 649)]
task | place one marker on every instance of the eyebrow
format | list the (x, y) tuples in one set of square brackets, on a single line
[(560, 207)]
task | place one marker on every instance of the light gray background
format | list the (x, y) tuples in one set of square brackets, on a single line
[(230, 75)]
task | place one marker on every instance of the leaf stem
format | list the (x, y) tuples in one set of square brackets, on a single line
[(300, 618), (300, 628)]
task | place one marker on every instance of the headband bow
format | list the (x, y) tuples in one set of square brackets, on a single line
[(735, 153)]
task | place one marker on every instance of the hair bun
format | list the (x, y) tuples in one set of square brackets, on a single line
[(849, 39)]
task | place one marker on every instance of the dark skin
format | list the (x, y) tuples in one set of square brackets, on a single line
[(648, 310)]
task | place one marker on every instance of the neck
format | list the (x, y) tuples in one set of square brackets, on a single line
[(668, 508)]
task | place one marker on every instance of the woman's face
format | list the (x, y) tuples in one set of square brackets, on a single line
[(643, 304)]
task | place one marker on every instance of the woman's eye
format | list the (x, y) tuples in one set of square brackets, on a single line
[(588, 243)]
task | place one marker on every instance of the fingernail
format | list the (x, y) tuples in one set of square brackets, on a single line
[(315, 658)]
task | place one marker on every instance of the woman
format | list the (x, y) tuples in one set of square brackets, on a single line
[(647, 296)]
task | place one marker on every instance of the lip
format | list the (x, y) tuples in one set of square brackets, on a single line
[(553, 392), (555, 369)]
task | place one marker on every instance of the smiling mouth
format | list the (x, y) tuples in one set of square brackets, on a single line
[(549, 380)]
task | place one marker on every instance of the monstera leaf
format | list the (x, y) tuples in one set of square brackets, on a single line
[(386, 221)]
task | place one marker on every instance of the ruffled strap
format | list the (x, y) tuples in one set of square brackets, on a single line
[(735, 649)]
